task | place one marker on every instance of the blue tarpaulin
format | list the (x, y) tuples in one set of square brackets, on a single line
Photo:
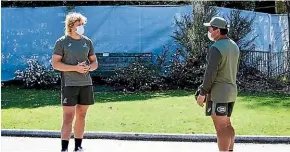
[(28, 32)]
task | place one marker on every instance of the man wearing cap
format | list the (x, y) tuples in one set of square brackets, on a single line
[(219, 88)]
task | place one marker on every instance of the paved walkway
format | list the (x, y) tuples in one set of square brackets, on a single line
[(22, 144)]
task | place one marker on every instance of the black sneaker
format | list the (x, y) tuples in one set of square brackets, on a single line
[(80, 149)]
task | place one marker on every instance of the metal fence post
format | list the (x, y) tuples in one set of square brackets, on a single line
[(287, 3), (269, 63)]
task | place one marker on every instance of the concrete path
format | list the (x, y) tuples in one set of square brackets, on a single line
[(28, 144)]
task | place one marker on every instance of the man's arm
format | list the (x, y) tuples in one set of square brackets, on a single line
[(92, 57), (93, 62), (214, 58), (58, 65), (58, 53)]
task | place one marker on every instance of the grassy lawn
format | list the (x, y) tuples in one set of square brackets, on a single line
[(161, 112)]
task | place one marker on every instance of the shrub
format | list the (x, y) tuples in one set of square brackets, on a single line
[(36, 75), (137, 76), (184, 74)]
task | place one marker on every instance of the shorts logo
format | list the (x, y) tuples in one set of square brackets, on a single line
[(64, 100), (208, 110), (221, 109)]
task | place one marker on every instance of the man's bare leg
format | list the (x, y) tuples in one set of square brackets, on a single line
[(224, 134), (79, 127), (66, 129), (232, 130)]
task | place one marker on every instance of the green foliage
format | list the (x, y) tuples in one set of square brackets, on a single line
[(242, 5), (138, 76), (36, 75), (190, 33)]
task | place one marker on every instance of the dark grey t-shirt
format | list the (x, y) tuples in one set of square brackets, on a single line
[(74, 51)]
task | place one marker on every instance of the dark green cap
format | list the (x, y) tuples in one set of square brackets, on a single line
[(218, 22)]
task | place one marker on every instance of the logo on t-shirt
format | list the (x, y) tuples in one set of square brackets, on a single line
[(85, 45), (69, 45)]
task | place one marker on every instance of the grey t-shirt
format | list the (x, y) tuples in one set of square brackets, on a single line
[(74, 51)]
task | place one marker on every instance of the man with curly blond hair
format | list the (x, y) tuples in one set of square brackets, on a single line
[(74, 56)]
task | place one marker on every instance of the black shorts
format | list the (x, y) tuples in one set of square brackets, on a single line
[(219, 109), (73, 95)]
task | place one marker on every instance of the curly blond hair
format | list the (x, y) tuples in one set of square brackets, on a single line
[(71, 19)]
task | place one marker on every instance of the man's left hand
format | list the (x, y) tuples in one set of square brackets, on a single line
[(200, 100)]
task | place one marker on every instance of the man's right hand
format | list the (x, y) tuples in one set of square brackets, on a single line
[(80, 68)]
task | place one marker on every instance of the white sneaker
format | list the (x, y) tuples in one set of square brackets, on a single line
[(80, 149)]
